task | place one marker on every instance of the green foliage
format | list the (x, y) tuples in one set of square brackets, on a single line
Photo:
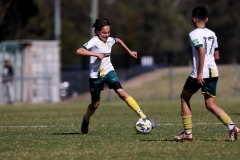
[(14, 16), (150, 27)]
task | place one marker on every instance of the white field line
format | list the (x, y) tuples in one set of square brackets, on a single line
[(28, 126), (172, 124), (45, 126)]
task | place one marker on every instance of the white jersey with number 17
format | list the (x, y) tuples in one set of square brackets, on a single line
[(100, 68), (203, 37)]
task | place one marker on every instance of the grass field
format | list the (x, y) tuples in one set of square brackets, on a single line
[(52, 131)]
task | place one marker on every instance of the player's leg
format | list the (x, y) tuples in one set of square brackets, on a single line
[(91, 109), (190, 87), (132, 104), (86, 118), (130, 101), (186, 111), (10, 92), (222, 116), (209, 91), (186, 117), (113, 83), (96, 85), (6, 92)]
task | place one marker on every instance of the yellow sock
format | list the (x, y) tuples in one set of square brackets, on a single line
[(225, 119), (187, 122), (133, 104), (89, 114)]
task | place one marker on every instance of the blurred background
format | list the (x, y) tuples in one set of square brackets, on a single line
[(40, 37)]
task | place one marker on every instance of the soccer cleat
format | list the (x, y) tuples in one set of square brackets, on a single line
[(233, 134), (84, 127), (183, 137), (152, 122)]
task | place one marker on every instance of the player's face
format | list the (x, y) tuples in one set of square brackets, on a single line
[(104, 33)]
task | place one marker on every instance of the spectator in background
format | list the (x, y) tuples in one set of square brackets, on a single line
[(7, 81)]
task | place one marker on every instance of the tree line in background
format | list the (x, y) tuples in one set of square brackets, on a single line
[(155, 27)]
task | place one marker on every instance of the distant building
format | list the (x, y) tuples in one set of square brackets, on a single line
[(37, 69)]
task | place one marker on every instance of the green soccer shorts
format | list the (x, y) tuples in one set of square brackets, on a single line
[(209, 87), (97, 85)]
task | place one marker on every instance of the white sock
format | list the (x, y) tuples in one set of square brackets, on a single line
[(231, 126)]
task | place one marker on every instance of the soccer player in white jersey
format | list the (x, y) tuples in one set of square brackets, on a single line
[(204, 75), (102, 71)]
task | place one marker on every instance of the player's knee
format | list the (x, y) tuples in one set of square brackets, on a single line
[(183, 99), (122, 94), (94, 105), (209, 108)]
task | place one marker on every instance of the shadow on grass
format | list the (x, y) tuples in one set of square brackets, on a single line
[(157, 140), (234, 114), (68, 133), (171, 140)]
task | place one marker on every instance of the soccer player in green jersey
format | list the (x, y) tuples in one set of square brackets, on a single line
[(204, 75), (102, 71)]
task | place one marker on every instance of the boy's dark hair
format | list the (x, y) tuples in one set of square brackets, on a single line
[(200, 13), (99, 23)]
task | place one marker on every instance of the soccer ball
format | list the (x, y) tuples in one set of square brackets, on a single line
[(143, 125)]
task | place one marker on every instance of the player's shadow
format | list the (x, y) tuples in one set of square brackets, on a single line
[(171, 140), (156, 140), (234, 114), (211, 140), (66, 133)]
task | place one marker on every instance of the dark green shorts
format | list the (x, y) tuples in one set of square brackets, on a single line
[(209, 87), (97, 85)]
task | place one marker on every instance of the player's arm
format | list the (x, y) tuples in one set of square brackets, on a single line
[(216, 50), (83, 51), (216, 55), (201, 53), (123, 45)]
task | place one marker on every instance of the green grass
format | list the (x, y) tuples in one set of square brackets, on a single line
[(52, 131)]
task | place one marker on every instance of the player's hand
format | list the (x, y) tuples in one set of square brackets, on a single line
[(133, 53), (100, 56), (200, 79)]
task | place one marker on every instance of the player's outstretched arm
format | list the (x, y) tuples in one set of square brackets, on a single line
[(85, 52), (123, 45)]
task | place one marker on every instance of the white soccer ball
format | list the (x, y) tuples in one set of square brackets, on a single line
[(143, 125)]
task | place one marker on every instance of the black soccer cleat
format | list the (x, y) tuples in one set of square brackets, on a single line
[(84, 127)]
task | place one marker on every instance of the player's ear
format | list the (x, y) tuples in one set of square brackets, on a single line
[(194, 20), (97, 32), (206, 20)]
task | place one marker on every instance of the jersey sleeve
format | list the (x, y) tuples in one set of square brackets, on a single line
[(197, 42), (90, 44), (113, 40)]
